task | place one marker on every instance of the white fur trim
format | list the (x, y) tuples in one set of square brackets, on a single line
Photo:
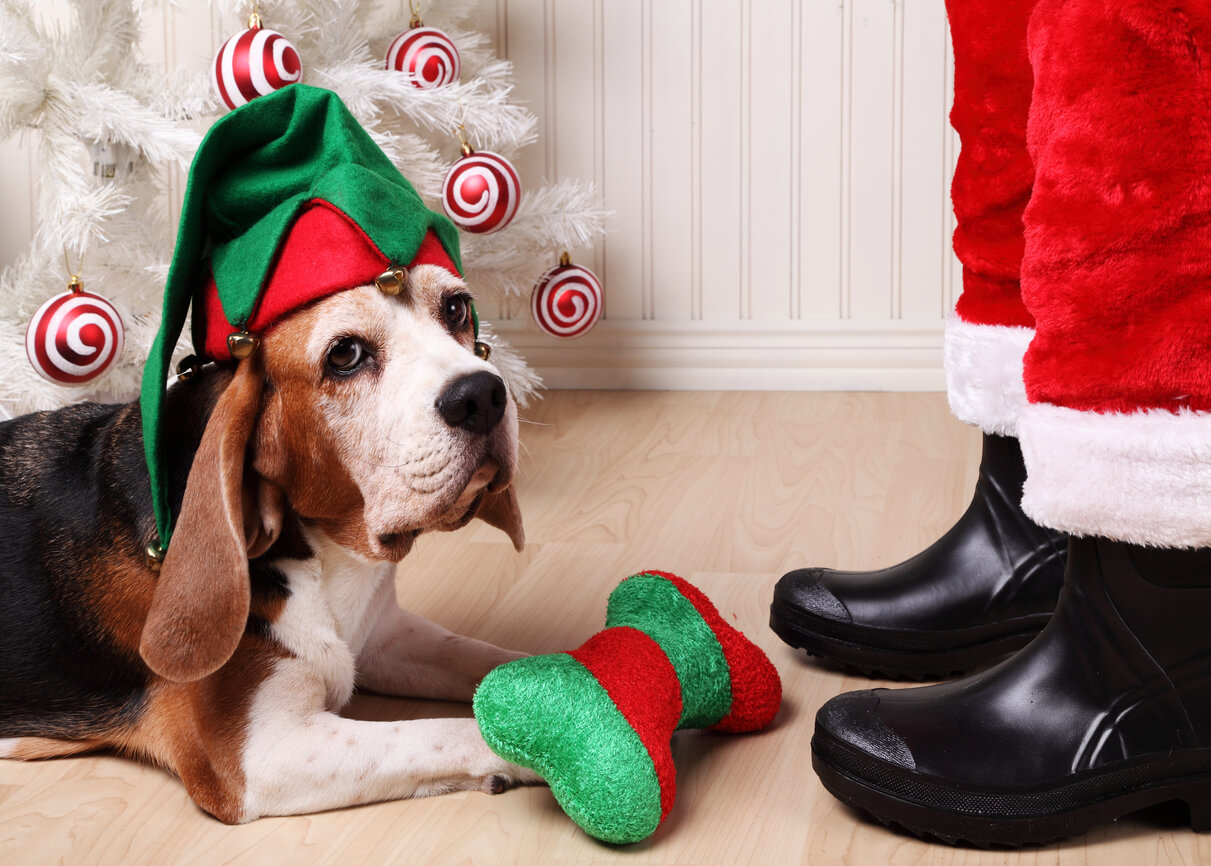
[(984, 374), (1143, 477)]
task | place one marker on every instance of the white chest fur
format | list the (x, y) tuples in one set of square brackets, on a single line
[(333, 605)]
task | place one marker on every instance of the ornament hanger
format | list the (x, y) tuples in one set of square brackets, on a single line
[(416, 21), (254, 17), (461, 131), (74, 282)]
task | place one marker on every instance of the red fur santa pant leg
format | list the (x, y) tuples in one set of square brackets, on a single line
[(1117, 271), (988, 334)]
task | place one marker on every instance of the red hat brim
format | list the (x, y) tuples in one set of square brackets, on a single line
[(324, 252)]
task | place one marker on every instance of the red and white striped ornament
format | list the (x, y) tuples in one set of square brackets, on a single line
[(253, 63), (74, 337), (567, 301), (481, 192), (426, 55)]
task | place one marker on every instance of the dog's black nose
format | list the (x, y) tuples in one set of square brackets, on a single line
[(475, 402)]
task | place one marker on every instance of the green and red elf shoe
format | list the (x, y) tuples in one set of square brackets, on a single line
[(596, 722)]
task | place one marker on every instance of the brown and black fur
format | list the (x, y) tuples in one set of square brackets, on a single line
[(75, 516)]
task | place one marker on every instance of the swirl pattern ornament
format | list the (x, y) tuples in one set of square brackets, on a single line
[(254, 63), (74, 337), (481, 192), (427, 56), (567, 301)]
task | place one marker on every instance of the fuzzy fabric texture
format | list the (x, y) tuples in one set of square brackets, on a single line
[(655, 605), (1117, 268), (984, 374), (756, 692), (596, 722), (1140, 477), (549, 713), (640, 682), (993, 177), (1117, 271)]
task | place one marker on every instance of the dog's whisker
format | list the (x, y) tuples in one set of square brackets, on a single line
[(391, 441), (365, 462)]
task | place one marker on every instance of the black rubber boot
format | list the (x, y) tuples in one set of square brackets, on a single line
[(1106, 712), (981, 591)]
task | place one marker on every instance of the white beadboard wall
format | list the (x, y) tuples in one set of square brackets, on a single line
[(778, 172)]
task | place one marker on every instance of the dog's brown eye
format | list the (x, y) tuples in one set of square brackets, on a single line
[(346, 355), (457, 312)]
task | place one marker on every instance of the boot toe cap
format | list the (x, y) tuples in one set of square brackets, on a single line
[(853, 718), (802, 589)]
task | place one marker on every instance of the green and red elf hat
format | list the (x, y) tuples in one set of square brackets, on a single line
[(289, 200)]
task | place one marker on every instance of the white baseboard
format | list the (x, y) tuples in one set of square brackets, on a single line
[(751, 356)]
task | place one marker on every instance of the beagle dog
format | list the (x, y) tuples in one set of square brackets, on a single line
[(301, 476)]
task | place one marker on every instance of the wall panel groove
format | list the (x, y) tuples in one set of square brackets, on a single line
[(795, 305), (550, 95), (599, 125), (647, 134), (847, 141), (950, 155), (745, 310), (897, 166), (696, 160)]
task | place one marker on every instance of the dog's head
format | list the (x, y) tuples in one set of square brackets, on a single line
[(366, 415), (379, 422)]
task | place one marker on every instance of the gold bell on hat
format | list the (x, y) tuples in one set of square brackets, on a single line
[(242, 344), (392, 282), (155, 554)]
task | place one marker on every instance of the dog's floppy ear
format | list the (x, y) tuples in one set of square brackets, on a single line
[(200, 607), (500, 509)]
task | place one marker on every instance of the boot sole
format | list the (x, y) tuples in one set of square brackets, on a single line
[(933, 808), (903, 654)]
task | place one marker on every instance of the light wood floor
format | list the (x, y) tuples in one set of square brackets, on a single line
[(727, 489)]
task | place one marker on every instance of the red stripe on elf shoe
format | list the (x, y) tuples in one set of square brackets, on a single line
[(640, 680), (756, 686)]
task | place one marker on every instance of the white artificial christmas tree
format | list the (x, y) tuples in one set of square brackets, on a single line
[(81, 86)]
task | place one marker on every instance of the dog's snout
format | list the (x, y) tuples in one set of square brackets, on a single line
[(475, 402)]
